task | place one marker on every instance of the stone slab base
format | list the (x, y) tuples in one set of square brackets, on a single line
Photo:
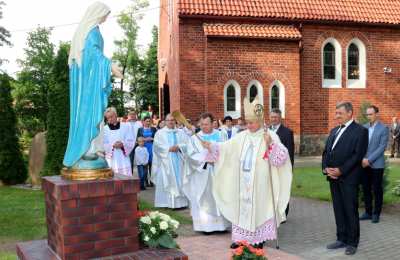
[(39, 250)]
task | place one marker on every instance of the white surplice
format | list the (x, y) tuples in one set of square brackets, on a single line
[(167, 168), (118, 159), (198, 182)]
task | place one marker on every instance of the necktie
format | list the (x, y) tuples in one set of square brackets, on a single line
[(337, 134)]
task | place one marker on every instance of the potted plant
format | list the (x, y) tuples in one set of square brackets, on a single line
[(245, 251), (158, 230)]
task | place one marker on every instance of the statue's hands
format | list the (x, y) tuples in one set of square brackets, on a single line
[(116, 71)]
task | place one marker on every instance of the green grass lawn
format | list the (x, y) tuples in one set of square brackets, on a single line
[(310, 183)]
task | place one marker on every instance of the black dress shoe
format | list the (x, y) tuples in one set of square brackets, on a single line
[(350, 250), (375, 219), (234, 245), (365, 216), (336, 245)]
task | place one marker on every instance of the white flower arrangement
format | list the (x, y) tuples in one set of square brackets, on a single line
[(158, 230)]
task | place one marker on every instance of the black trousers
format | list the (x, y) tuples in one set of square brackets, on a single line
[(373, 189), (345, 207), (395, 146)]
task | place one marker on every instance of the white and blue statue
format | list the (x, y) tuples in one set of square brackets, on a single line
[(90, 86)]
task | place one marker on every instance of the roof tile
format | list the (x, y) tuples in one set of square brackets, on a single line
[(360, 11), (252, 31)]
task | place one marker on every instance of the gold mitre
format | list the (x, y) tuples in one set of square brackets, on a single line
[(253, 111)]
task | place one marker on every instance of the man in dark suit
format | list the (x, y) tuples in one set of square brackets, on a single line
[(395, 133), (341, 163), (285, 135), (374, 165)]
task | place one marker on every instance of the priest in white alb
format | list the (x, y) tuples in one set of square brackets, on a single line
[(198, 179), (168, 166), (119, 141), (252, 179)]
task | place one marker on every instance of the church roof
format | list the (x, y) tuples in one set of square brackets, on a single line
[(252, 31), (358, 11)]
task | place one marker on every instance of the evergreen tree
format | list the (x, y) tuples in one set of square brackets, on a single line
[(12, 167), (58, 115)]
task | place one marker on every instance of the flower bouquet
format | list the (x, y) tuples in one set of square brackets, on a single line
[(245, 251), (158, 230)]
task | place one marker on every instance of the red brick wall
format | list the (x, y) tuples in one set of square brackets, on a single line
[(382, 50), (206, 64)]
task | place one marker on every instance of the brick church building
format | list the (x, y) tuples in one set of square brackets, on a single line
[(302, 56)]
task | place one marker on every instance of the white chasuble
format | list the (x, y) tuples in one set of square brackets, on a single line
[(242, 186), (198, 185), (118, 159), (167, 169)]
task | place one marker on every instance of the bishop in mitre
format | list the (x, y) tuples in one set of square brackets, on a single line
[(168, 166), (252, 179), (198, 179)]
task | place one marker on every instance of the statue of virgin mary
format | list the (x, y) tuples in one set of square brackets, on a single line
[(90, 86)]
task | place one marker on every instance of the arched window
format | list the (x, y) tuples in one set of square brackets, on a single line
[(253, 92), (356, 64), (253, 89), (274, 97), (353, 61), (232, 99), (277, 96), (331, 59)]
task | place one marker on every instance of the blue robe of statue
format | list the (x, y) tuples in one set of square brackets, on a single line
[(90, 86)]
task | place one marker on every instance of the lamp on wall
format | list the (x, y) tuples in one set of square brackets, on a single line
[(163, 63), (387, 70)]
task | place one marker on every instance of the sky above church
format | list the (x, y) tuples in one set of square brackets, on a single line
[(22, 16)]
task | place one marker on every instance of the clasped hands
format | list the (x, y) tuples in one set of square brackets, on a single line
[(174, 149), (118, 145), (333, 173)]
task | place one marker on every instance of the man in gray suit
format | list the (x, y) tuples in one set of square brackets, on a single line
[(395, 131), (374, 165)]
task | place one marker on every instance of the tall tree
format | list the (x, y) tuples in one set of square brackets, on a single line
[(34, 80), (58, 115), (126, 55), (4, 33), (147, 92), (12, 168)]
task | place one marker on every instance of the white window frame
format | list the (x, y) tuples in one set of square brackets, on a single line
[(234, 114), (337, 82), (282, 96), (361, 82), (260, 92)]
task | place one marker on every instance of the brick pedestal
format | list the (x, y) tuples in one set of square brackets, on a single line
[(91, 219)]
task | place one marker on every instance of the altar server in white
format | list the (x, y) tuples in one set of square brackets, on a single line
[(168, 166), (198, 179), (118, 143)]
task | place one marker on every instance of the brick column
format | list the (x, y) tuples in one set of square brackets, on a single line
[(87, 219)]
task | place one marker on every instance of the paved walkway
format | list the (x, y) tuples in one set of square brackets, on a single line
[(310, 227)]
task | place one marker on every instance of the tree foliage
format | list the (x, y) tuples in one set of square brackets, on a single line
[(33, 82), (126, 54), (4, 33), (147, 91), (12, 168), (58, 115)]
